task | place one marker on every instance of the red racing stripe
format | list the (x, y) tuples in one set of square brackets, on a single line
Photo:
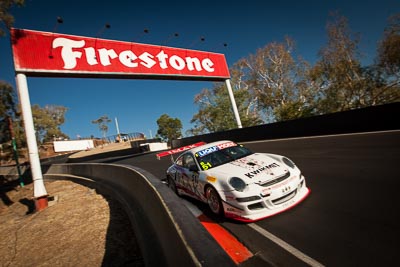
[(236, 250)]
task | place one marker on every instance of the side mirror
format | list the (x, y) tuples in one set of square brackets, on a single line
[(193, 168)]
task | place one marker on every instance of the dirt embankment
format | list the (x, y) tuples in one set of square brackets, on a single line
[(81, 227)]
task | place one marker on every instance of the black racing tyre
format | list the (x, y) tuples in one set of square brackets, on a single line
[(214, 201), (172, 185)]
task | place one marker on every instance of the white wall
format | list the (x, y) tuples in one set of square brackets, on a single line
[(62, 146), (155, 146)]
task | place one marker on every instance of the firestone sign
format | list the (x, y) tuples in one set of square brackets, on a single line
[(51, 54), (47, 54)]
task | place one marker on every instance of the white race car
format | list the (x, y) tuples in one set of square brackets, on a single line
[(236, 182)]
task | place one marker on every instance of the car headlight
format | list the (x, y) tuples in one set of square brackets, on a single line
[(288, 162), (237, 183)]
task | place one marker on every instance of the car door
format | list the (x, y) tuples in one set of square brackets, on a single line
[(191, 173)]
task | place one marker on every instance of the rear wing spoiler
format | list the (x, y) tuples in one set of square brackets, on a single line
[(178, 150)]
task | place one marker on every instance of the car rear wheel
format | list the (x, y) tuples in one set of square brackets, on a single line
[(213, 200), (172, 185)]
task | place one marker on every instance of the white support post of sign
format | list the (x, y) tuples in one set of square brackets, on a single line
[(40, 193), (233, 102), (118, 133)]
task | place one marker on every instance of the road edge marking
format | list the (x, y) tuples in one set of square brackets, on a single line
[(235, 249), (292, 250)]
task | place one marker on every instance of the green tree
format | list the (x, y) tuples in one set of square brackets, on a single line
[(216, 113), (387, 71), (102, 123), (6, 19), (279, 82), (268, 86), (389, 48), (47, 122), (272, 85), (7, 104), (7, 109), (169, 128), (344, 83), (339, 69)]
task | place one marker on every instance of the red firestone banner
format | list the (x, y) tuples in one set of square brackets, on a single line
[(59, 55)]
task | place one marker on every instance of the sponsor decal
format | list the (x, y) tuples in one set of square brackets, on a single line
[(286, 189), (261, 170), (205, 165), (178, 150), (207, 151), (248, 163), (212, 149), (226, 145)]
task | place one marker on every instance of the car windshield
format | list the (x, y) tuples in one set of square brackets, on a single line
[(222, 156)]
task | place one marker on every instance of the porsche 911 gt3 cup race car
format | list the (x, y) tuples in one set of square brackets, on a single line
[(236, 182)]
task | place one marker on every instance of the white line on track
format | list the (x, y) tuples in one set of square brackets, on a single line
[(295, 252), (292, 250)]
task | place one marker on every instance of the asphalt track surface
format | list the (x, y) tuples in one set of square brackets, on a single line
[(350, 217)]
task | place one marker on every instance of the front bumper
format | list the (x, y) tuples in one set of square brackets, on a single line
[(273, 200)]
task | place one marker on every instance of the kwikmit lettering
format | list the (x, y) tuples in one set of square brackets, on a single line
[(260, 170)]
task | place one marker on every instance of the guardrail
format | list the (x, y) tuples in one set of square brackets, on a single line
[(167, 232)]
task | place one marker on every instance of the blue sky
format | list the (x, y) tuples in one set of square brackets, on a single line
[(137, 104)]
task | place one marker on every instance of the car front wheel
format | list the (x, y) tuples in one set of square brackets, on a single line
[(213, 200)]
